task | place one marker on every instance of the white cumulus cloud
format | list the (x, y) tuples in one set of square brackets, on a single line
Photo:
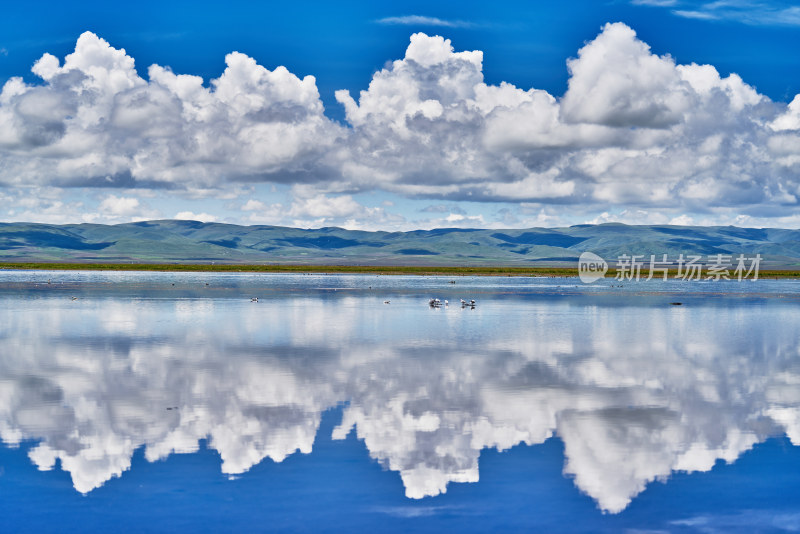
[(634, 130), (191, 216), (95, 121)]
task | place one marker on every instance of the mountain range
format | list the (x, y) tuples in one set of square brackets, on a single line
[(171, 241)]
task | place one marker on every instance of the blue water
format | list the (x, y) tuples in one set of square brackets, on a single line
[(164, 401)]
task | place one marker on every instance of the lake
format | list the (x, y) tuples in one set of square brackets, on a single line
[(176, 401)]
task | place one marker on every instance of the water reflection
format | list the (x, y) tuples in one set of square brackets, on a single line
[(635, 389)]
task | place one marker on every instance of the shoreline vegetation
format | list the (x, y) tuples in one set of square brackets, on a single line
[(348, 269)]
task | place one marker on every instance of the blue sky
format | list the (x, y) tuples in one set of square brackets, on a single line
[(635, 129)]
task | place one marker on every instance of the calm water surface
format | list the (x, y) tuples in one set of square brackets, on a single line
[(163, 401)]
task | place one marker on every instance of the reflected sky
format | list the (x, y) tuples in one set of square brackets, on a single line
[(99, 367)]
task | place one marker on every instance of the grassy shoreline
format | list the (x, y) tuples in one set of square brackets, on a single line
[(288, 268), (341, 269)]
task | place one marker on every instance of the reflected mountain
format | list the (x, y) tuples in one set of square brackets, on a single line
[(636, 391)]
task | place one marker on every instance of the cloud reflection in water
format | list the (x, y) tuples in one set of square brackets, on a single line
[(636, 391)]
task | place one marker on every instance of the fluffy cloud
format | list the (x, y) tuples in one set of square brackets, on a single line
[(633, 130), (118, 209), (790, 119), (191, 216), (96, 122), (616, 81), (118, 206), (308, 208)]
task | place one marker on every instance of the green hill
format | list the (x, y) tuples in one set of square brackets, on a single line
[(171, 241)]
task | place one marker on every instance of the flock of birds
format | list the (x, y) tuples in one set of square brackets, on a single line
[(436, 303), (433, 303)]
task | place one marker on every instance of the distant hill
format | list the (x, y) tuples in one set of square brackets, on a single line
[(170, 241)]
